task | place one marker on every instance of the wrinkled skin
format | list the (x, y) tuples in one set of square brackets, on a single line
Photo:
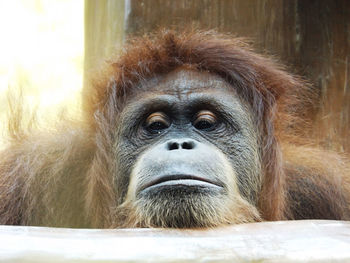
[(195, 151)]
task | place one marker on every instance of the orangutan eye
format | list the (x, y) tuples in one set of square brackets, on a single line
[(205, 120), (157, 122)]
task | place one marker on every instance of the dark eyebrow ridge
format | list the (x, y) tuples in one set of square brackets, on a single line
[(168, 103), (145, 106)]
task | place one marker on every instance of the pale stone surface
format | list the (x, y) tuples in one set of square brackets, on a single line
[(290, 241)]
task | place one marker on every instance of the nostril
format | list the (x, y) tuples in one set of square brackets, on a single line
[(173, 146), (187, 145), (180, 145)]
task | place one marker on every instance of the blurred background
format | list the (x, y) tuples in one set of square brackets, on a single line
[(41, 50), (48, 47)]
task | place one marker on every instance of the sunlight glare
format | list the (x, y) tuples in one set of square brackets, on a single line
[(41, 50)]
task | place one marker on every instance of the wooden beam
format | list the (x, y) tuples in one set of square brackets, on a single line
[(288, 241)]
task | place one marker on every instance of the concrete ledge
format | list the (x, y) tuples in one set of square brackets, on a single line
[(289, 241)]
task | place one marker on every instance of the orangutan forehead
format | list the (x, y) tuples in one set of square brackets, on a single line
[(184, 82)]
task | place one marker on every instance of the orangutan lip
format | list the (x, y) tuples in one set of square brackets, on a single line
[(181, 179)]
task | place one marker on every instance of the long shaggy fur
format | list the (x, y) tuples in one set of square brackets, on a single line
[(67, 177)]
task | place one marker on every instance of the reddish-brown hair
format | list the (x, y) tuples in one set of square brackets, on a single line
[(256, 79), (66, 176)]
